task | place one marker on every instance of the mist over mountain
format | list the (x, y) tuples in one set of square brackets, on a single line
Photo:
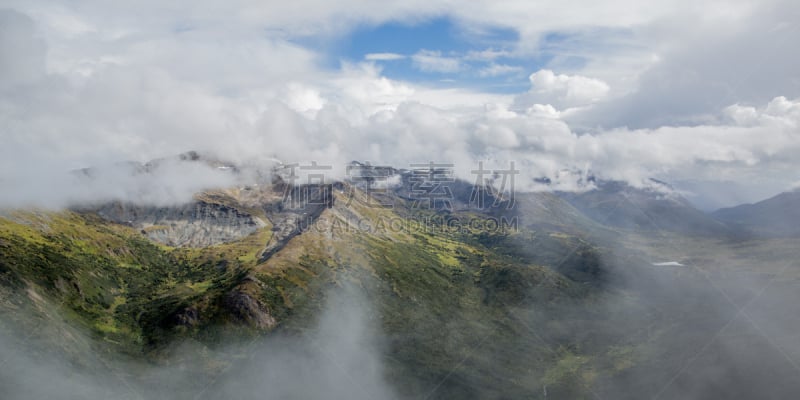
[(399, 200), (654, 208)]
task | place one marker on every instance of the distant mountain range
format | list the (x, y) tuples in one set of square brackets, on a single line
[(653, 208), (774, 217)]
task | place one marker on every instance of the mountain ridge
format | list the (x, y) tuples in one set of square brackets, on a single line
[(775, 216)]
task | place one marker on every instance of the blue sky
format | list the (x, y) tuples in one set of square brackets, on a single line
[(482, 58)]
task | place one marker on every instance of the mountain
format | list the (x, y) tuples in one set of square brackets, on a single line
[(656, 207), (777, 216), (520, 296)]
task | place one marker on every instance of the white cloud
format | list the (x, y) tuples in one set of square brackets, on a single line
[(564, 91), (457, 98), (383, 57), (700, 69), (498, 69), (363, 91), (303, 99), (42, 185), (434, 61), (124, 83), (486, 55), (22, 49)]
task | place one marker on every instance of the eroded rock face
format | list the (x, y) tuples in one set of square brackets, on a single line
[(249, 310), (227, 215), (197, 224), (295, 213)]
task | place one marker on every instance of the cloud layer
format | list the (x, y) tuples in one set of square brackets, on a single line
[(87, 85)]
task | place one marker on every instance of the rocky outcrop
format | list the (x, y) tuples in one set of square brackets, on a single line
[(197, 224), (249, 310)]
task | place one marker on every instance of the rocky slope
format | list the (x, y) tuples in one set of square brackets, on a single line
[(197, 224)]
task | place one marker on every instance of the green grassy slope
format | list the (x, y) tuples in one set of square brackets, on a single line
[(110, 281)]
